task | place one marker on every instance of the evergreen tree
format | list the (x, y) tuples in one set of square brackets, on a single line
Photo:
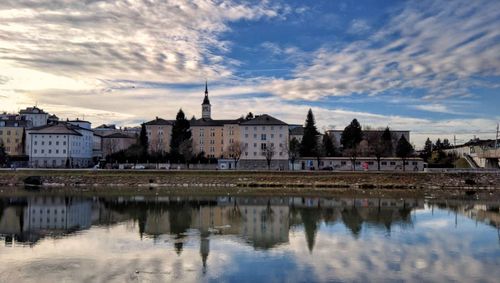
[(446, 144), (439, 145), (180, 132), (3, 154), (404, 150), (387, 142), (427, 152), (352, 135), (328, 146), (309, 145), (143, 140)]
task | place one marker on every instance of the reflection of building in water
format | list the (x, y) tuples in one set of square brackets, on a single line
[(28, 220), (264, 221), (56, 214), (486, 213)]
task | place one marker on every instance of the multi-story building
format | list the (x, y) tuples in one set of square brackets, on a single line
[(116, 142), (262, 136), (12, 136), (35, 115), (213, 137), (66, 144), (159, 132)]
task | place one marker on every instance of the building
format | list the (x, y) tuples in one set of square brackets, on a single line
[(65, 144), (115, 142), (35, 115), (159, 132), (213, 137), (264, 134), (361, 164), (478, 153), (12, 135), (296, 132)]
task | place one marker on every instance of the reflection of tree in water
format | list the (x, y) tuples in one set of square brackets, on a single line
[(352, 219), (180, 221), (311, 218)]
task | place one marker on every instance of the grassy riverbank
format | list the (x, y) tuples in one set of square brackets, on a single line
[(253, 181)]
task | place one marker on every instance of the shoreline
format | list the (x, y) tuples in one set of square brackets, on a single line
[(315, 183)]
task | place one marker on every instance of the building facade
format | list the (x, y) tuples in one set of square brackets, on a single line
[(35, 115), (12, 135), (261, 136), (159, 132), (67, 144)]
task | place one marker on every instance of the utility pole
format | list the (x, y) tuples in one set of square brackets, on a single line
[(496, 139)]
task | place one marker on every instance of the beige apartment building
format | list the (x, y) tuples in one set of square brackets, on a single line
[(159, 132), (11, 134), (213, 137)]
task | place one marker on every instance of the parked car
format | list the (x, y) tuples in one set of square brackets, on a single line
[(139, 167), (327, 168)]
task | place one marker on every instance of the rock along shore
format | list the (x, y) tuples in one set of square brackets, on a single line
[(254, 179)]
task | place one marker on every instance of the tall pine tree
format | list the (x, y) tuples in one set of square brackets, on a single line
[(180, 132), (387, 142), (309, 144), (352, 135), (404, 150)]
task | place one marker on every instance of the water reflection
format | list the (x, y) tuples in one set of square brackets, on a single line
[(263, 223)]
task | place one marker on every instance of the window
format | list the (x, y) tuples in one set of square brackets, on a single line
[(272, 136), (254, 144), (254, 136), (263, 137), (383, 163), (393, 163), (414, 163), (43, 151), (263, 146), (343, 163)]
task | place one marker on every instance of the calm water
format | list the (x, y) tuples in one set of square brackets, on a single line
[(247, 239)]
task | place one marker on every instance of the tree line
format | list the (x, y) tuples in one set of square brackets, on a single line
[(353, 143)]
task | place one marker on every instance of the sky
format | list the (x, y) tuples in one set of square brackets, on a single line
[(431, 67)]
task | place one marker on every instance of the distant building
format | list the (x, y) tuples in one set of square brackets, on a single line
[(115, 142), (361, 164), (66, 144), (159, 132), (296, 132), (260, 133), (12, 136), (478, 153), (37, 116)]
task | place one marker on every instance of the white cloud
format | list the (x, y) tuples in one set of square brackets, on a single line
[(358, 26), (441, 48)]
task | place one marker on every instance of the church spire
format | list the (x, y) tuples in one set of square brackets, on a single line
[(205, 106)]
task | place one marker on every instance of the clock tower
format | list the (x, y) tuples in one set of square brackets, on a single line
[(205, 106)]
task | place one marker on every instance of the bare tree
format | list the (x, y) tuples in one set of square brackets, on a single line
[(186, 150), (268, 151), (353, 154), (234, 151), (293, 149)]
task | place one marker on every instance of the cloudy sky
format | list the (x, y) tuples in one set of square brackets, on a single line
[(432, 67)]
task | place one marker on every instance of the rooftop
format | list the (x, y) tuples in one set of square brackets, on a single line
[(263, 119), (32, 110)]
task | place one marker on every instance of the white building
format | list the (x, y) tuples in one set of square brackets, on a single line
[(260, 135), (67, 144), (35, 115)]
